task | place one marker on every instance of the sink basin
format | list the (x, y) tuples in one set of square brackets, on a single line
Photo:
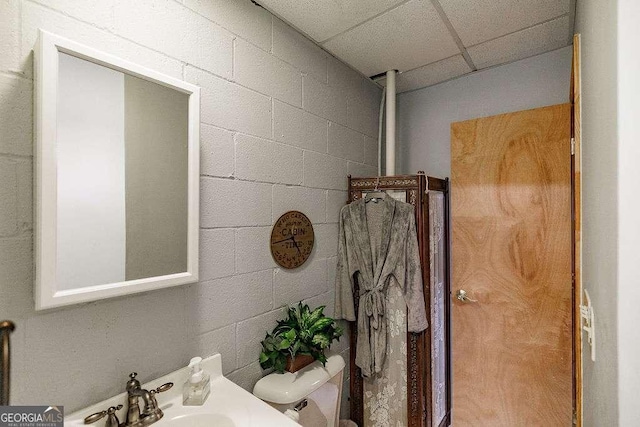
[(228, 405), (202, 420)]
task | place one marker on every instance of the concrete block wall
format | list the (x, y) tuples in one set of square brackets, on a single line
[(283, 123)]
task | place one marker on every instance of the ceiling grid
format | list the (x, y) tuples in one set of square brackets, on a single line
[(363, 22), (430, 41), (454, 34)]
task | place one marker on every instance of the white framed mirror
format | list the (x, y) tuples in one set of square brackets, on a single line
[(117, 176)]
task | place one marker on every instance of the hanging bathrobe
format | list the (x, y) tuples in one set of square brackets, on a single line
[(378, 248)]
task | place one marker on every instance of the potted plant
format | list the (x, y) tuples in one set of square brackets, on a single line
[(299, 339)]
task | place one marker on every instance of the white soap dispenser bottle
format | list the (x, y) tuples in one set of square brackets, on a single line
[(196, 389)]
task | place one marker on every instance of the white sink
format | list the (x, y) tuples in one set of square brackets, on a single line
[(202, 420), (228, 405)]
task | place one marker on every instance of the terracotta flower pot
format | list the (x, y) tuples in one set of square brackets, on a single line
[(300, 362)]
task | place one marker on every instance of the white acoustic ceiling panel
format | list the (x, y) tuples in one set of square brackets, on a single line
[(431, 74), (404, 38), (522, 44), (477, 21), (428, 40), (322, 19)]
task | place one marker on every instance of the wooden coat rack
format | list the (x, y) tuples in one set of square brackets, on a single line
[(419, 345)]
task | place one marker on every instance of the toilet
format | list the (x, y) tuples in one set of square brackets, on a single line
[(310, 396)]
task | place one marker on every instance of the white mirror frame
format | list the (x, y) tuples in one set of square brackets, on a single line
[(47, 292)]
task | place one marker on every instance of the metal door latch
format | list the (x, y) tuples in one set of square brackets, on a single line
[(588, 323)]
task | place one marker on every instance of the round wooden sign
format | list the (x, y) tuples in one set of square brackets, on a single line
[(292, 239)]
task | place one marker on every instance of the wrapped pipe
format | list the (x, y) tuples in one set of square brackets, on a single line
[(390, 123)]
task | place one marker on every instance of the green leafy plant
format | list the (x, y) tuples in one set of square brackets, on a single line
[(303, 332)]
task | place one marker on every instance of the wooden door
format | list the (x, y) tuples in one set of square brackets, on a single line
[(512, 249), (576, 174)]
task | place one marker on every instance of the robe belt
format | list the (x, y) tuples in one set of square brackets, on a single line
[(374, 306)]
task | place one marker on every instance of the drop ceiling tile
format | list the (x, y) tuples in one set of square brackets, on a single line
[(404, 38), (477, 21), (431, 74), (532, 41), (322, 19)]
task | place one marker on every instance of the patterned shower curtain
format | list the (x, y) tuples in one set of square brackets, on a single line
[(385, 394), (437, 264)]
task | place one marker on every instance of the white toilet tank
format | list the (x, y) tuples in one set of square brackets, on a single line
[(320, 386)]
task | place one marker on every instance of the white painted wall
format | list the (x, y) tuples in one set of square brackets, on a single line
[(628, 212), (90, 129), (596, 22), (425, 115), (282, 125)]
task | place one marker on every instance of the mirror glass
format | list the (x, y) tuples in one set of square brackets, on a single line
[(122, 176)]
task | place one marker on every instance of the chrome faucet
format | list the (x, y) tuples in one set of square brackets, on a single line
[(135, 417)]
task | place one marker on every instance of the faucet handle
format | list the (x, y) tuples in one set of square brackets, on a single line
[(152, 394), (164, 387), (99, 415), (95, 417)]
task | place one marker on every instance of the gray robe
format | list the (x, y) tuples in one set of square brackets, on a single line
[(397, 258)]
